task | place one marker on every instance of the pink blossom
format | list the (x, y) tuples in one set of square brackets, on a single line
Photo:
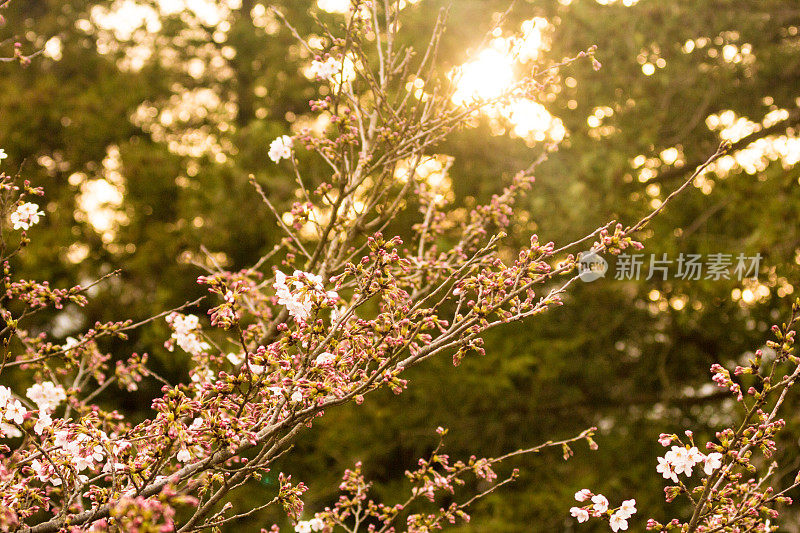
[(44, 421), (40, 470), (70, 344), (307, 526), (299, 306), (583, 495), (581, 514), (665, 468), (324, 69), (186, 331), (695, 456), (600, 503), (299, 298), (15, 412), (325, 359), (712, 462), (82, 462), (682, 459), (7, 430), (61, 439), (46, 395), (5, 396), (627, 509), (618, 522), (25, 216)]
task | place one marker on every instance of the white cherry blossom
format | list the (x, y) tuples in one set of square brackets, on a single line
[(44, 421), (712, 462), (25, 216), (325, 359), (627, 509), (281, 148), (600, 503), (618, 522), (15, 412), (583, 495), (46, 395), (582, 515)]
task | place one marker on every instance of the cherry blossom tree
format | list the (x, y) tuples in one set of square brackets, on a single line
[(339, 309)]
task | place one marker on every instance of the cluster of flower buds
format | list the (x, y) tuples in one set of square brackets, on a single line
[(736, 492)]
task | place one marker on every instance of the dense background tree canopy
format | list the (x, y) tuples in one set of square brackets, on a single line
[(143, 119)]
